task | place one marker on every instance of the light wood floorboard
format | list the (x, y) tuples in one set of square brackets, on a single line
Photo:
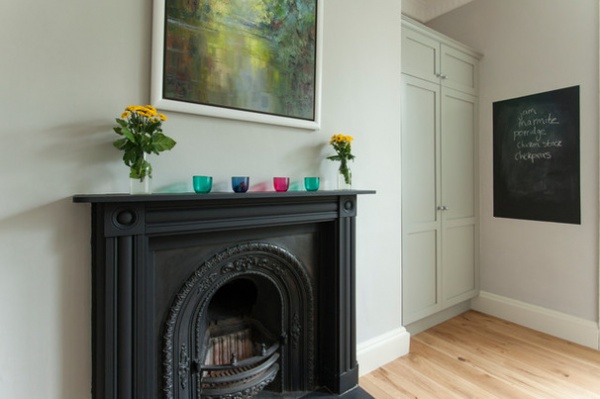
[(479, 356)]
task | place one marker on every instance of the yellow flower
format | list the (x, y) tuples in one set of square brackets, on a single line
[(340, 138), (150, 110), (147, 112)]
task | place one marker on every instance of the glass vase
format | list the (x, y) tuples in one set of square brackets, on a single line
[(343, 182), (142, 185)]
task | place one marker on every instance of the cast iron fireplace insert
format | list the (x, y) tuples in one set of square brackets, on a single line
[(224, 295)]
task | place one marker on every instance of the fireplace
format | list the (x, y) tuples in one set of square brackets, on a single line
[(224, 296)]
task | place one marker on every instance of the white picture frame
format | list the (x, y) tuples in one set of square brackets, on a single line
[(160, 101)]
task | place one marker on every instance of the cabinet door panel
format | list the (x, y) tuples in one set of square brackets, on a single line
[(421, 222), (459, 70), (420, 56), (420, 168), (420, 275), (459, 274), (458, 149)]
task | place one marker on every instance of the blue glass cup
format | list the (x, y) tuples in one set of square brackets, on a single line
[(311, 183), (240, 184), (202, 184)]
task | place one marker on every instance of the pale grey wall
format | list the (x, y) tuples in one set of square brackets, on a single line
[(533, 46), (68, 68)]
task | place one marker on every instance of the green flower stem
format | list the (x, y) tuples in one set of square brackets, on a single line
[(345, 171)]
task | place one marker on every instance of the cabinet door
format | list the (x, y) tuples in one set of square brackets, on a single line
[(421, 224), (459, 196), (459, 70), (420, 56)]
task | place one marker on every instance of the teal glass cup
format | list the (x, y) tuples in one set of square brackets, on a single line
[(311, 183), (202, 184)]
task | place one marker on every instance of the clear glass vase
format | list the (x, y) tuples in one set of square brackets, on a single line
[(142, 185), (343, 182)]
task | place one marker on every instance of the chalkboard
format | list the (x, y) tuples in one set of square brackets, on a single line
[(536, 157)]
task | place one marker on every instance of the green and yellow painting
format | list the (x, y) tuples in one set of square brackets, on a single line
[(249, 55)]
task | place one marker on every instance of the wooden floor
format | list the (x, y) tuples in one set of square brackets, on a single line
[(479, 356)]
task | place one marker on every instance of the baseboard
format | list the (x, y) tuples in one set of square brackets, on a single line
[(381, 350), (430, 321), (570, 328)]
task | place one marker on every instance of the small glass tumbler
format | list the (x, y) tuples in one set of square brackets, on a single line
[(311, 183), (240, 184), (281, 184), (202, 184)]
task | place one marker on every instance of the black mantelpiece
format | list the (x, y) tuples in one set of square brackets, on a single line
[(136, 237)]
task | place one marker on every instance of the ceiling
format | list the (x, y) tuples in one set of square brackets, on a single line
[(426, 10)]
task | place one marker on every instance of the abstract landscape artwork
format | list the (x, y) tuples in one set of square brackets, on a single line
[(238, 57)]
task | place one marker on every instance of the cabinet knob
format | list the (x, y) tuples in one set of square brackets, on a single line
[(442, 208)]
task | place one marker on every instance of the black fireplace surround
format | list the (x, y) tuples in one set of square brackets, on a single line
[(224, 295)]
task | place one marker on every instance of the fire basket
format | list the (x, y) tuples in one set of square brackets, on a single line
[(239, 362)]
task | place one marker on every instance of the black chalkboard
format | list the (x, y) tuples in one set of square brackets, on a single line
[(536, 157)]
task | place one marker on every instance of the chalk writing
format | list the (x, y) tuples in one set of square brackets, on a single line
[(530, 135)]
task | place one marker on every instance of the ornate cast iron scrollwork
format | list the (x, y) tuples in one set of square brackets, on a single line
[(184, 366), (245, 394), (278, 266), (296, 331)]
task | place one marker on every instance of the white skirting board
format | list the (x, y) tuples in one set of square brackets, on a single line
[(570, 328), (382, 349)]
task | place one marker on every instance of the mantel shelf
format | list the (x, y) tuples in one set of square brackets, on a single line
[(161, 197)]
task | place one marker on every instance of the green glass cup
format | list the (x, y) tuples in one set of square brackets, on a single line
[(202, 184), (311, 183)]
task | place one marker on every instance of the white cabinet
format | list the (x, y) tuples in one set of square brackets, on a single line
[(425, 56), (439, 180)]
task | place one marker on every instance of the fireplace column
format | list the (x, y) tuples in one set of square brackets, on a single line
[(341, 368)]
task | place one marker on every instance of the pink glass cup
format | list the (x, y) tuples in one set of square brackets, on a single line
[(281, 184)]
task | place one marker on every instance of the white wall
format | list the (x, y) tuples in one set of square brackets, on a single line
[(68, 68), (533, 46)]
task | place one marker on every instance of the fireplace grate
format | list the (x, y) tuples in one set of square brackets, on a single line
[(242, 379), (241, 360)]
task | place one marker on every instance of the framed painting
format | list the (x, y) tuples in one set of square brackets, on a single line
[(251, 60)]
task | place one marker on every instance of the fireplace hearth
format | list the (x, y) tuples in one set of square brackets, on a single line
[(224, 296)]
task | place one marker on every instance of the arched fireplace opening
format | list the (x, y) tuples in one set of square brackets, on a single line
[(243, 323), (239, 353)]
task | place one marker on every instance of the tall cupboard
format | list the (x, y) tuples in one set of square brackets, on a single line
[(439, 172)]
